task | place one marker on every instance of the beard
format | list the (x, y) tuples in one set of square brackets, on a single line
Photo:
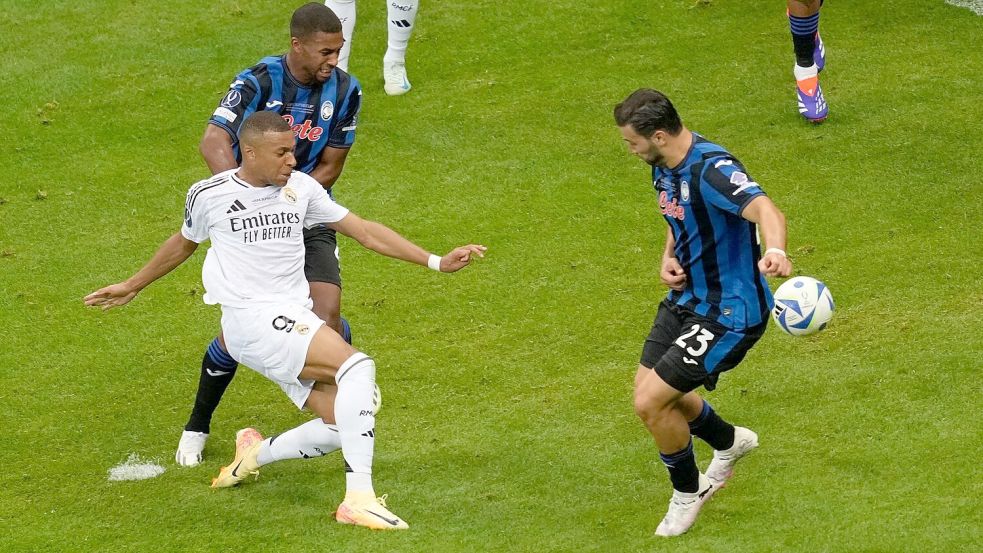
[(655, 159)]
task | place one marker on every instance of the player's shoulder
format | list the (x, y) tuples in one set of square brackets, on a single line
[(265, 64), (709, 152), (260, 72), (302, 182), (347, 82), (715, 158), (210, 186)]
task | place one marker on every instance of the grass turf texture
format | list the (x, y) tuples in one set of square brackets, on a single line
[(508, 422)]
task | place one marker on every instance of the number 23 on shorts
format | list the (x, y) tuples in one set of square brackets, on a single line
[(701, 336)]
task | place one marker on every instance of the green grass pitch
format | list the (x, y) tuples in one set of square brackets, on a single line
[(508, 423)]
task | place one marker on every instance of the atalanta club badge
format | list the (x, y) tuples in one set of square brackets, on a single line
[(327, 110)]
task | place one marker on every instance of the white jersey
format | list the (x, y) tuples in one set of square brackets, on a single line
[(257, 251)]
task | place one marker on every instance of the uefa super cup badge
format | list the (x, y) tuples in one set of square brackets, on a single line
[(289, 195)]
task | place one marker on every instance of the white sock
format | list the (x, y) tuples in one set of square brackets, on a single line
[(805, 72), (311, 439), (345, 10), (402, 14), (356, 420)]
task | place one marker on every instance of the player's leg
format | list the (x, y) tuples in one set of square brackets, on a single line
[(217, 370), (730, 443), (662, 387), (803, 17), (345, 10), (322, 268), (314, 438), (354, 375), (402, 16), (274, 340), (656, 404)]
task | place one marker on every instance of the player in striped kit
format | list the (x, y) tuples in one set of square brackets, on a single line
[(718, 304), (254, 216)]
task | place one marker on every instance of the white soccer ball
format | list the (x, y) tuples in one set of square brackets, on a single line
[(803, 306)]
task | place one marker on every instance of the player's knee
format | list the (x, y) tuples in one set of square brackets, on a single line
[(650, 405), (647, 407), (357, 367)]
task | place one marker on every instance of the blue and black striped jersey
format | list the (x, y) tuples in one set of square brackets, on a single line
[(321, 115), (702, 199)]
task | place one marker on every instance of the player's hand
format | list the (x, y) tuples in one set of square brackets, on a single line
[(111, 296), (672, 273), (459, 258), (775, 265)]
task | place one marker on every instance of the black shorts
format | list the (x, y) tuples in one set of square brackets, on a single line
[(321, 258), (688, 351)]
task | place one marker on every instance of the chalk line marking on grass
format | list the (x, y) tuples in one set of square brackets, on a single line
[(135, 468), (976, 6)]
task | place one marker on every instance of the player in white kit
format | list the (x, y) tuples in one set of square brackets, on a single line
[(402, 17), (254, 217)]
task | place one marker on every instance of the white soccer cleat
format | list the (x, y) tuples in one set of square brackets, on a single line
[(683, 508), (722, 466), (190, 449), (370, 512), (248, 442), (395, 76)]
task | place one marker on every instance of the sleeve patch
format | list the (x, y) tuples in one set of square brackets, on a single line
[(226, 114), (741, 181)]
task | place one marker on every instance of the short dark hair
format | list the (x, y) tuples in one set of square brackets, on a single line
[(313, 17), (647, 111), (260, 123)]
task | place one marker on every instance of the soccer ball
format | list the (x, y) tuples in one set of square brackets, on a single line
[(803, 306)]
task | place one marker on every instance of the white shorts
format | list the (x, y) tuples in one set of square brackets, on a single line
[(272, 339)]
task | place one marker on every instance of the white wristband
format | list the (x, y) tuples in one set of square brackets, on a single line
[(434, 262), (779, 251)]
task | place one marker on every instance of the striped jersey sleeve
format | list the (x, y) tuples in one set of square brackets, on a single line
[(726, 185), (239, 102)]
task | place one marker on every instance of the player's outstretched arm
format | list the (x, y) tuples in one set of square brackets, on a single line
[(771, 223), (174, 251), (382, 239)]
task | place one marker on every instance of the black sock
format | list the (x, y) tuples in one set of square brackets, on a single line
[(683, 473), (712, 429), (217, 370), (804, 31)]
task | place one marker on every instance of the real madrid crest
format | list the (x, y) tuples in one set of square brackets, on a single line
[(684, 191), (327, 110), (289, 195), (302, 329)]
